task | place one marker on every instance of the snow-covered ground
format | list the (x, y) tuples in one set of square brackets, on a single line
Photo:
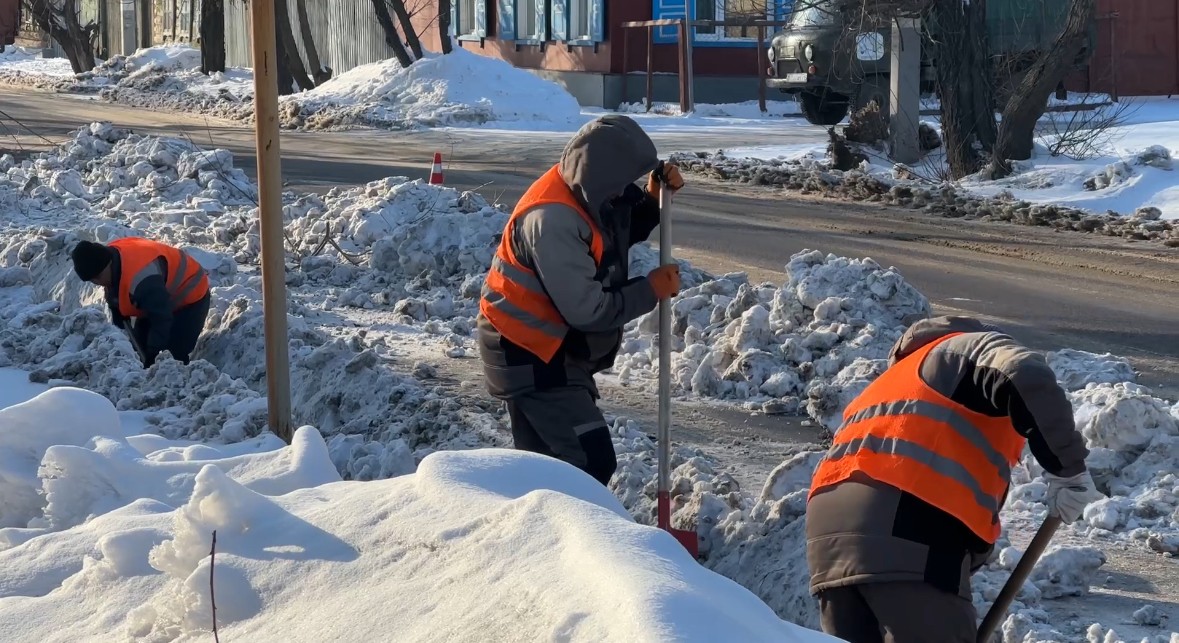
[(142, 538), (1129, 171), (461, 90), (383, 280)]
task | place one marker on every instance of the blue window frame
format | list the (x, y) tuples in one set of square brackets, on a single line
[(525, 21), (717, 10), (468, 19), (578, 21)]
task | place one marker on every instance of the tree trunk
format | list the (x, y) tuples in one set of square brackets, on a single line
[(444, 26), (319, 72), (392, 38), (406, 21), (290, 49), (1030, 99), (63, 27), (961, 53), (212, 36), (286, 82)]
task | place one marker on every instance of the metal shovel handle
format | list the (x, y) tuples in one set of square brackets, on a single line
[(1018, 576), (664, 434)]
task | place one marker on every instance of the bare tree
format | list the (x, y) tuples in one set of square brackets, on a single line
[(59, 19), (406, 20), (319, 72), (392, 38), (444, 26), (965, 87), (212, 36), (1028, 103), (289, 49)]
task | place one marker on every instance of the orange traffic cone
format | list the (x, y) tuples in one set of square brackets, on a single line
[(436, 171)]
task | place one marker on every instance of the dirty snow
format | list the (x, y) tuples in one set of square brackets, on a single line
[(813, 342), (461, 88), (1125, 187), (376, 268)]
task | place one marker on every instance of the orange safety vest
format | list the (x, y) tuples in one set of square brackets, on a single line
[(187, 281), (514, 300), (901, 432)]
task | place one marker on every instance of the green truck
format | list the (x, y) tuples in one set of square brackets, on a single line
[(833, 67)]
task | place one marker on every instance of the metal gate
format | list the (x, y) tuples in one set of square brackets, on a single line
[(1137, 50)]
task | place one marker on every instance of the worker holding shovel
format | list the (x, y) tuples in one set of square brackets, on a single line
[(905, 505), (163, 289), (560, 291)]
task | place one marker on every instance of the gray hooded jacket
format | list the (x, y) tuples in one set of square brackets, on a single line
[(600, 164), (862, 531)]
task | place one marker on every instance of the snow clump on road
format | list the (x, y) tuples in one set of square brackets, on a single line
[(812, 343)]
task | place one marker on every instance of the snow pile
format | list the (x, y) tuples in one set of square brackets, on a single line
[(815, 341), (24, 66), (408, 255), (459, 88), (808, 171), (1075, 369), (454, 535), (744, 110)]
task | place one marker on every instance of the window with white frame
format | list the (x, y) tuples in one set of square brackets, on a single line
[(579, 20), (464, 24), (732, 10), (530, 19)]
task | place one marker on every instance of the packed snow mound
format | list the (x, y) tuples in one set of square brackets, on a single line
[(456, 89), (815, 341), (413, 254), (1077, 369), (474, 535), (60, 416), (459, 88)]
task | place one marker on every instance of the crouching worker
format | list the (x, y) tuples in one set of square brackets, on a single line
[(559, 290), (163, 289), (905, 505)]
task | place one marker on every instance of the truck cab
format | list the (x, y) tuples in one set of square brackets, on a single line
[(830, 67), (833, 66)]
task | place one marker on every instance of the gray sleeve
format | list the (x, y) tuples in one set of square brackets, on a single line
[(1053, 436), (556, 241)]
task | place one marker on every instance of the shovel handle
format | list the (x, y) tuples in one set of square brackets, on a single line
[(664, 434), (1015, 582)]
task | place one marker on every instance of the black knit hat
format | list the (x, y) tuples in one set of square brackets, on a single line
[(90, 259)]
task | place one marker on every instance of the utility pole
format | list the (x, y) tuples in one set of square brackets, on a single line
[(905, 91), (274, 288)]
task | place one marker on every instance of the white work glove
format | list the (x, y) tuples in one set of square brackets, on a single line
[(1068, 497)]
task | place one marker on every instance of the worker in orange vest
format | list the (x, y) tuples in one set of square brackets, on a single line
[(904, 507), (162, 288), (559, 290)]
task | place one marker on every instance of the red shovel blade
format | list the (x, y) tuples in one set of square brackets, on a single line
[(686, 537)]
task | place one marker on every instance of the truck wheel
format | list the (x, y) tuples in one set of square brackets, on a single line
[(874, 88), (822, 108)]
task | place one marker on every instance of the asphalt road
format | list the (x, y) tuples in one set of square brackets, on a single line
[(1050, 289)]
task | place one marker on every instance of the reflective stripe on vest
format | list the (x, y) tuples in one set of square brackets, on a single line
[(901, 432), (513, 299), (186, 281)]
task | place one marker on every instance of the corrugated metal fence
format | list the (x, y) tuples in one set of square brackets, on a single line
[(346, 33), (1137, 52)]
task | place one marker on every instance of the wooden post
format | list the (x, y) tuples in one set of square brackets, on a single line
[(650, 65), (274, 293), (685, 82), (689, 36), (761, 69), (625, 60)]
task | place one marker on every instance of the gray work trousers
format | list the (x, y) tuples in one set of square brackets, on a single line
[(897, 612), (564, 423)]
